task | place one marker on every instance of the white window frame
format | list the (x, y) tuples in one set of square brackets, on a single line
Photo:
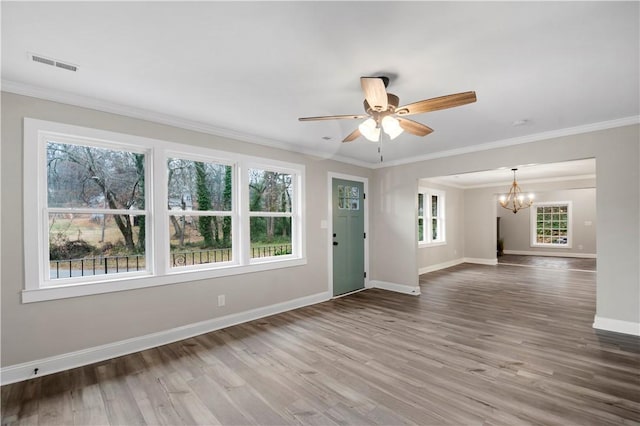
[(533, 219), (427, 217), (234, 213), (159, 271), (43, 249), (295, 214)]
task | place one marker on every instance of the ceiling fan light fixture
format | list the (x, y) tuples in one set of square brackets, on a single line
[(392, 127), (370, 130), (382, 112)]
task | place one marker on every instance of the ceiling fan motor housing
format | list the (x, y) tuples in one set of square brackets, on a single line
[(392, 100)]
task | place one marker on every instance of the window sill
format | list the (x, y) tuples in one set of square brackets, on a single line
[(436, 244), (65, 291)]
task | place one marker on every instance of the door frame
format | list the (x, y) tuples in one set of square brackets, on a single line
[(365, 183)]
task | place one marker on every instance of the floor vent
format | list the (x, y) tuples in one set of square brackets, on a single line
[(48, 61)]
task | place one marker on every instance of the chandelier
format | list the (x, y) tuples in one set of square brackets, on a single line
[(515, 199)]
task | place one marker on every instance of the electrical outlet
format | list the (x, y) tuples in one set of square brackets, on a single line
[(221, 300)]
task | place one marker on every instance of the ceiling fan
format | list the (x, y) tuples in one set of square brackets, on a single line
[(382, 111)]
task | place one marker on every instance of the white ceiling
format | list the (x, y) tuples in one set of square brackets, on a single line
[(251, 69)]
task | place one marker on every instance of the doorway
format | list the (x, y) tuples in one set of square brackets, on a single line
[(347, 235)]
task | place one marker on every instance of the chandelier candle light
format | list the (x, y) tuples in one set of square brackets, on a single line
[(515, 199)]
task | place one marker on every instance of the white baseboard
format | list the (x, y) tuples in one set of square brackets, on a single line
[(619, 326), (481, 261), (551, 253), (54, 364), (438, 266), (398, 288)]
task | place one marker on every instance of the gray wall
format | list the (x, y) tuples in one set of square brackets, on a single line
[(479, 230), (618, 204), (515, 229), (454, 228), (38, 330)]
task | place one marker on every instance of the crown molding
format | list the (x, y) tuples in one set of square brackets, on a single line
[(160, 118), (443, 182), (535, 137)]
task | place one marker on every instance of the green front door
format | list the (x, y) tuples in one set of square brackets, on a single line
[(348, 236)]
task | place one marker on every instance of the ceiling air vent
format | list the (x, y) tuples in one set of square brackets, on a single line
[(66, 66), (52, 62), (43, 60)]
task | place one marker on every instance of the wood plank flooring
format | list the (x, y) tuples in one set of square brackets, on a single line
[(571, 263), (481, 345)]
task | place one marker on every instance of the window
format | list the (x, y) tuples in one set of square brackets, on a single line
[(348, 197), (95, 209), (271, 215), (431, 216), (200, 209), (551, 224), (106, 212)]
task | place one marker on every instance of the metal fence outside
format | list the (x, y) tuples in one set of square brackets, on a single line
[(102, 265)]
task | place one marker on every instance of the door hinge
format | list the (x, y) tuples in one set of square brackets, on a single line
[(365, 274), (364, 196), (365, 235)]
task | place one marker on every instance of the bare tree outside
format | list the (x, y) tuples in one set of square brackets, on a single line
[(270, 192), (203, 187), (104, 183), (96, 198)]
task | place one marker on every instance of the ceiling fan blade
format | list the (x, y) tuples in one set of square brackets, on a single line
[(375, 93), (414, 127), (436, 104), (333, 117), (352, 136)]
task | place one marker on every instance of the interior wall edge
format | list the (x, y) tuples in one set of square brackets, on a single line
[(617, 326), (395, 287), (480, 261), (439, 266)]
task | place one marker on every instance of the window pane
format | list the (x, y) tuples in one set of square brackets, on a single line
[(81, 176), (198, 240), (354, 198), (420, 205), (434, 205), (196, 185), (270, 236), (271, 191), (420, 229), (95, 244), (552, 225)]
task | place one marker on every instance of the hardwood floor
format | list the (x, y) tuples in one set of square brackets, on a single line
[(570, 263), (481, 345)]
